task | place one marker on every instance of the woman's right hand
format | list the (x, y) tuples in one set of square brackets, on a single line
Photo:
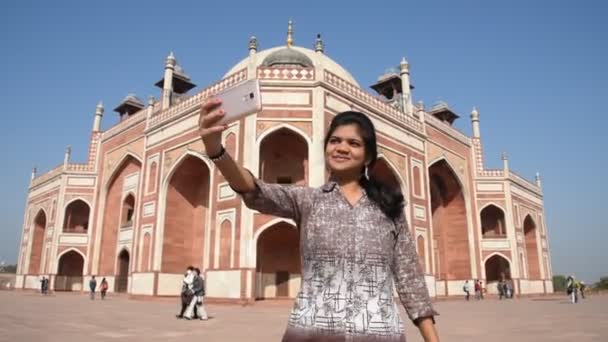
[(211, 133)]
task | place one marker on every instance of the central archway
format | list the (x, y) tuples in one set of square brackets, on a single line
[(69, 272), (448, 208), (186, 210), (113, 209), (278, 269), (37, 242)]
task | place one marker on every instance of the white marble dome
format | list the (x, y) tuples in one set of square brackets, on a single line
[(282, 54)]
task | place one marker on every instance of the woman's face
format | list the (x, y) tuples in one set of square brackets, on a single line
[(345, 151)]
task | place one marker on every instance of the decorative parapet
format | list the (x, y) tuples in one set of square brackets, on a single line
[(524, 183), (372, 101), (492, 173), (447, 129), (286, 73), (188, 104), (47, 176)]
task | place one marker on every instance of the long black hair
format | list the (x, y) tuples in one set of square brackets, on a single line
[(389, 200)]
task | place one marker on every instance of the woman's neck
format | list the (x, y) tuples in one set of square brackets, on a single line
[(347, 183)]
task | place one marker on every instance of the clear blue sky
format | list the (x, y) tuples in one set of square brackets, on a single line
[(537, 71)]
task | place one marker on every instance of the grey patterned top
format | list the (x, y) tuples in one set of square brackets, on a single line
[(351, 257)]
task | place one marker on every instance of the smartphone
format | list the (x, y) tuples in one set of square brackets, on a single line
[(240, 101)]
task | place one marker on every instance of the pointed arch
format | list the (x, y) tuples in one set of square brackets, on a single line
[(70, 270), (493, 223), (279, 165), (38, 234), (76, 216), (115, 170), (123, 261), (183, 230), (453, 255), (111, 208), (277, 258), (395, 170), (531, 247), (497, 267)]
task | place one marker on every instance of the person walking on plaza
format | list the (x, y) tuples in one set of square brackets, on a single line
[(195, 308), (103, 288), (572, 289), (467, 290), (186, 292), (92, 287), (477, 290), (355, 240)]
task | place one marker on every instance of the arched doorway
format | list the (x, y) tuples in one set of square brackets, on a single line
[(531, 248), (69, 272), (186, 210), (493, 222), (284, 158), (497, 269), (452, 261), (278, 269), (113, 210), (76, 217), (122, 277), (37, 242)]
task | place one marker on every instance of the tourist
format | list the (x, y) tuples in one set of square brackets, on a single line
[(186, 292), (477, 290), (195, 308), (572, 289), (582, 286), (501, 289), (103, 288), (467, 289), (481, 289), (355, 239), (92, 287)]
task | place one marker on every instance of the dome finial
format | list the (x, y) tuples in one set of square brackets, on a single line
[(290, 33), (319, 45)]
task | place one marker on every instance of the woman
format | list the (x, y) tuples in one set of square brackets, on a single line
[(104, 288), (354, 239)]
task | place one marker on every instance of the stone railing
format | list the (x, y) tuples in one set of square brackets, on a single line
[(190, 103), (447, 129), (372, 101), (492, 173), (80, 167), (514, 177), (286, 73), (47, 176)]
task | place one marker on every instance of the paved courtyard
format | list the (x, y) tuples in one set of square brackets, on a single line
[(65, 317)]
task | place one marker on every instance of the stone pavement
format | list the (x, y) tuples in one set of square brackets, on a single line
[(66, 317)]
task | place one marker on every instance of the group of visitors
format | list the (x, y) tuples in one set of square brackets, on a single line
[(574, 287), (477, 287), (103, 287), (192, 295)]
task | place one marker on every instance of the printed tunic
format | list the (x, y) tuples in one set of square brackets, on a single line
[(352, 256)]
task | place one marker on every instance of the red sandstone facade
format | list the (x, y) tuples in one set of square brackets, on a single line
[(148, 202)]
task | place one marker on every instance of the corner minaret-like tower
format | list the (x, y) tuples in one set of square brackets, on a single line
[(404, 72), (98, 115)]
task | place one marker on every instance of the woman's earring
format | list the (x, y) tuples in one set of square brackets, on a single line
[(366, 172)]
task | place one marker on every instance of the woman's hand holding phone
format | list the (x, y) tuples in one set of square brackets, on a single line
[(211, 133)]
